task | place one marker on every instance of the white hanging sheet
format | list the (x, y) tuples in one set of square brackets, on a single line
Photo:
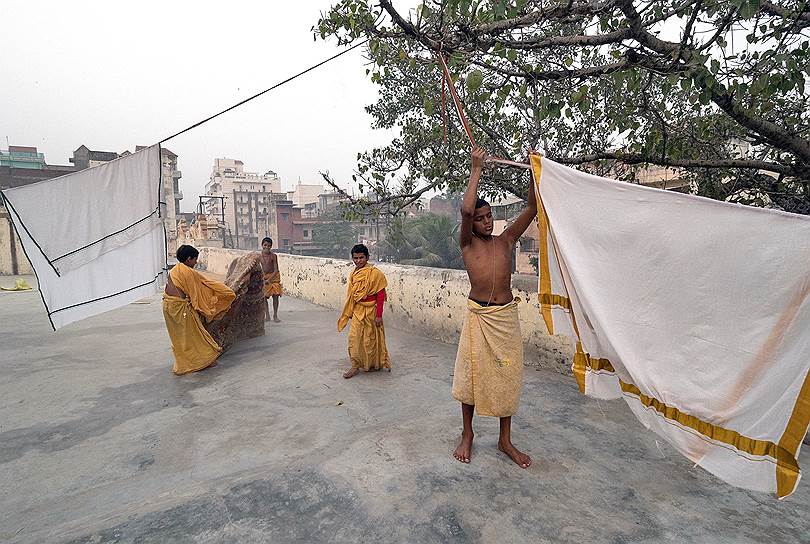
[(95, 238), (79, 216), (695, 311)]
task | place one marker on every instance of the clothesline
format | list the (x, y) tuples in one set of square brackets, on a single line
[(277, 85), (447, 79)]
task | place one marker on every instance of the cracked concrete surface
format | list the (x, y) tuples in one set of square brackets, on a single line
[(100, 443)]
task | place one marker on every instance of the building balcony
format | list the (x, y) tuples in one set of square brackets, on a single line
[(177, 174), (178, 195)]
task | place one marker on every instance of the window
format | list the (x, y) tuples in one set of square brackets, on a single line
[(286, 242), (306, 233), (285, 217)]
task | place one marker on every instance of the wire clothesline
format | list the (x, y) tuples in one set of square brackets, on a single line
[(446, 79), (257, 95)]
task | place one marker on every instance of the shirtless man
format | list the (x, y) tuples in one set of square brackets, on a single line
[(488, 374), (272, 279)]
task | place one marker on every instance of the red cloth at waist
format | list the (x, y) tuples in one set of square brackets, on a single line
[(379, 298)]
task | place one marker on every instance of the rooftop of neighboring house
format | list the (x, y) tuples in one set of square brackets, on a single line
[(163, 151), (22, 149), (94, 155)]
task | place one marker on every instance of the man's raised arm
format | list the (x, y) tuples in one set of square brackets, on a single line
[(516, 229), (471, 196)]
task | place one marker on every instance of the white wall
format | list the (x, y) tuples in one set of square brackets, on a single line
[(428, 301)]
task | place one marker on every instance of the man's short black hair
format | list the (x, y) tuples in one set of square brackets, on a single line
[(185, 253), (480, 203), (267, 239), (360, 248)]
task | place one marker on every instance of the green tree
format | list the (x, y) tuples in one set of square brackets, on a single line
[(533, 260), (335, 236), (715, 88), (429, 240)]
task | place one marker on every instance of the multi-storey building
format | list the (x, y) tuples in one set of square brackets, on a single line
[(171, 174), (281, 219), (21, 156), (305, 194), (84, 157), (246, 197), (21, 165)]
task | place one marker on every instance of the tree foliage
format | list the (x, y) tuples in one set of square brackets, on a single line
[(428, 240), (335, 236), (714, 88)]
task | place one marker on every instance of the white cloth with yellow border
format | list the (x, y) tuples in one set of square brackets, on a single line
[(696, 312)]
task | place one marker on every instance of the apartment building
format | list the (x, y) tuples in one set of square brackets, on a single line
[(246, 197)]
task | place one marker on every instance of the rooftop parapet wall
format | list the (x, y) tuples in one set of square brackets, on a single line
[(12, 258), (428, 301)]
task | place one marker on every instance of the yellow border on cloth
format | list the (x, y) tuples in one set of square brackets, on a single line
[(787, 467), (545, 297), (545, 293), (791, 440), (554, 300), (784, 453)]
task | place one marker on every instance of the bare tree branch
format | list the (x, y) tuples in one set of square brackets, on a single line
[(775, 134), (616, 36), (802, 16), (632, 158), (557, 12)]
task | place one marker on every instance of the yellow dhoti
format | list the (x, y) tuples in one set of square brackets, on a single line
[(193, 347), (489, 364), (367, 349), (272, 284)]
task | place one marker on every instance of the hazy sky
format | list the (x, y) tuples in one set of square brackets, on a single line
[(111, 75)]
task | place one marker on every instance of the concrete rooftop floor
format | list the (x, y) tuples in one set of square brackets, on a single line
[(99, 443)]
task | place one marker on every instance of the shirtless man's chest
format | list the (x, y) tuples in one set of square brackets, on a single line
[(267, 262), (489, 263)]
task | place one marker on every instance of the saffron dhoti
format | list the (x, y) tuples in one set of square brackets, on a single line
[(272, 284), (489, 364), (193, 347)]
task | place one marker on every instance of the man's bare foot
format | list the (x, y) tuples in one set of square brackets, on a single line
[(464, 449), (521, 459), (276, 319), (351, 372)]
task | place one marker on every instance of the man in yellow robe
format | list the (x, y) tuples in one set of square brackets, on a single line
[(365, 299), (188, 299)]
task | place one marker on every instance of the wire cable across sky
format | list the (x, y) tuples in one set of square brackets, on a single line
[(257, 95)]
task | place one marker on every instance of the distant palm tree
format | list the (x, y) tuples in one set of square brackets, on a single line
[(429, 240)]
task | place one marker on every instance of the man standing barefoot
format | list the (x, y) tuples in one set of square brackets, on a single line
[(272, 279), (489, 364), (365, 299)]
